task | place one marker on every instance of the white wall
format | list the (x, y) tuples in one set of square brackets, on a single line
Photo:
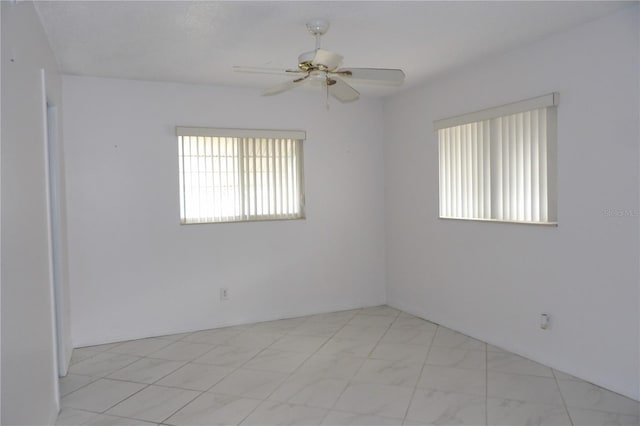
[(136, 272), (29, 373), (492, 281)]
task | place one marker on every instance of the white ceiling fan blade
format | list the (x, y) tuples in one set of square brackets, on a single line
[(373, 75), (262, 70), (329, 59), (341, 90), (283, 87)]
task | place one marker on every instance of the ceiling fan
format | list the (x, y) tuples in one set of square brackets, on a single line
[(320, 67)]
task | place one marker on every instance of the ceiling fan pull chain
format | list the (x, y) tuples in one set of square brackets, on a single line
[(327, 86)]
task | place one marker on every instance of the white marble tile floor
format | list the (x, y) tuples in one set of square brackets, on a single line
[(363, 367)]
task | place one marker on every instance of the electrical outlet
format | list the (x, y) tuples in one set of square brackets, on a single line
[(224, 293), (545, 319)]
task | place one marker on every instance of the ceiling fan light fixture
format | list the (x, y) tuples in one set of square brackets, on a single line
[(317, 75), (318, 26)]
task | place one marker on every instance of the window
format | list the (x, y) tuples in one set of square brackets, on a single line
[(231, 175), (500, 164)]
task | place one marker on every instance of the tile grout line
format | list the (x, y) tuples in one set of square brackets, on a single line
[(290, 374), (278, 387), (185, 364), (83, 359), (314, 353), (107, 351), (283, 333), (123, 400), (415, 388), (75, 390), (225, 342), (383, 334), (192, 362), (200, 392), (226, 375), (564, 403), (118, 416), (350, 381), (214, 346), (145, 357), (99, 378), (187, 403), (147, 385)]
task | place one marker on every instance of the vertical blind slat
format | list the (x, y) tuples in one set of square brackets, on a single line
[(298, 176), (441, 174), (487, 171), (240, 205), (181, 174), (218, 179), (459, 187), (196, 166), (513, 170), (254, 179), (527, 165), (520, 165), (224, 171), (535, 149), (279, 187), (450, 171), (443, 138), (469, 169), (473, 191), (477, 193), (499, 185), (463, 169), (289, 176), (506, 194), (542, 134), (285, 171)]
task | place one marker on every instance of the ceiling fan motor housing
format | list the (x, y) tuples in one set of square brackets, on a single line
[(305, 60)]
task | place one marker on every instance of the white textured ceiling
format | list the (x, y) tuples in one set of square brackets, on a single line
[(199, 42)]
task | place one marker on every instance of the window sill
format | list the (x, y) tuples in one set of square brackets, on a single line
[(245, 220), (514, 222)]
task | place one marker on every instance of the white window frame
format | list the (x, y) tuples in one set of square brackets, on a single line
[(240, 175), (499, 164)]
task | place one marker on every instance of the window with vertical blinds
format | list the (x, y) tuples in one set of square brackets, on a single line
[(500, 164), (231, 175)]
